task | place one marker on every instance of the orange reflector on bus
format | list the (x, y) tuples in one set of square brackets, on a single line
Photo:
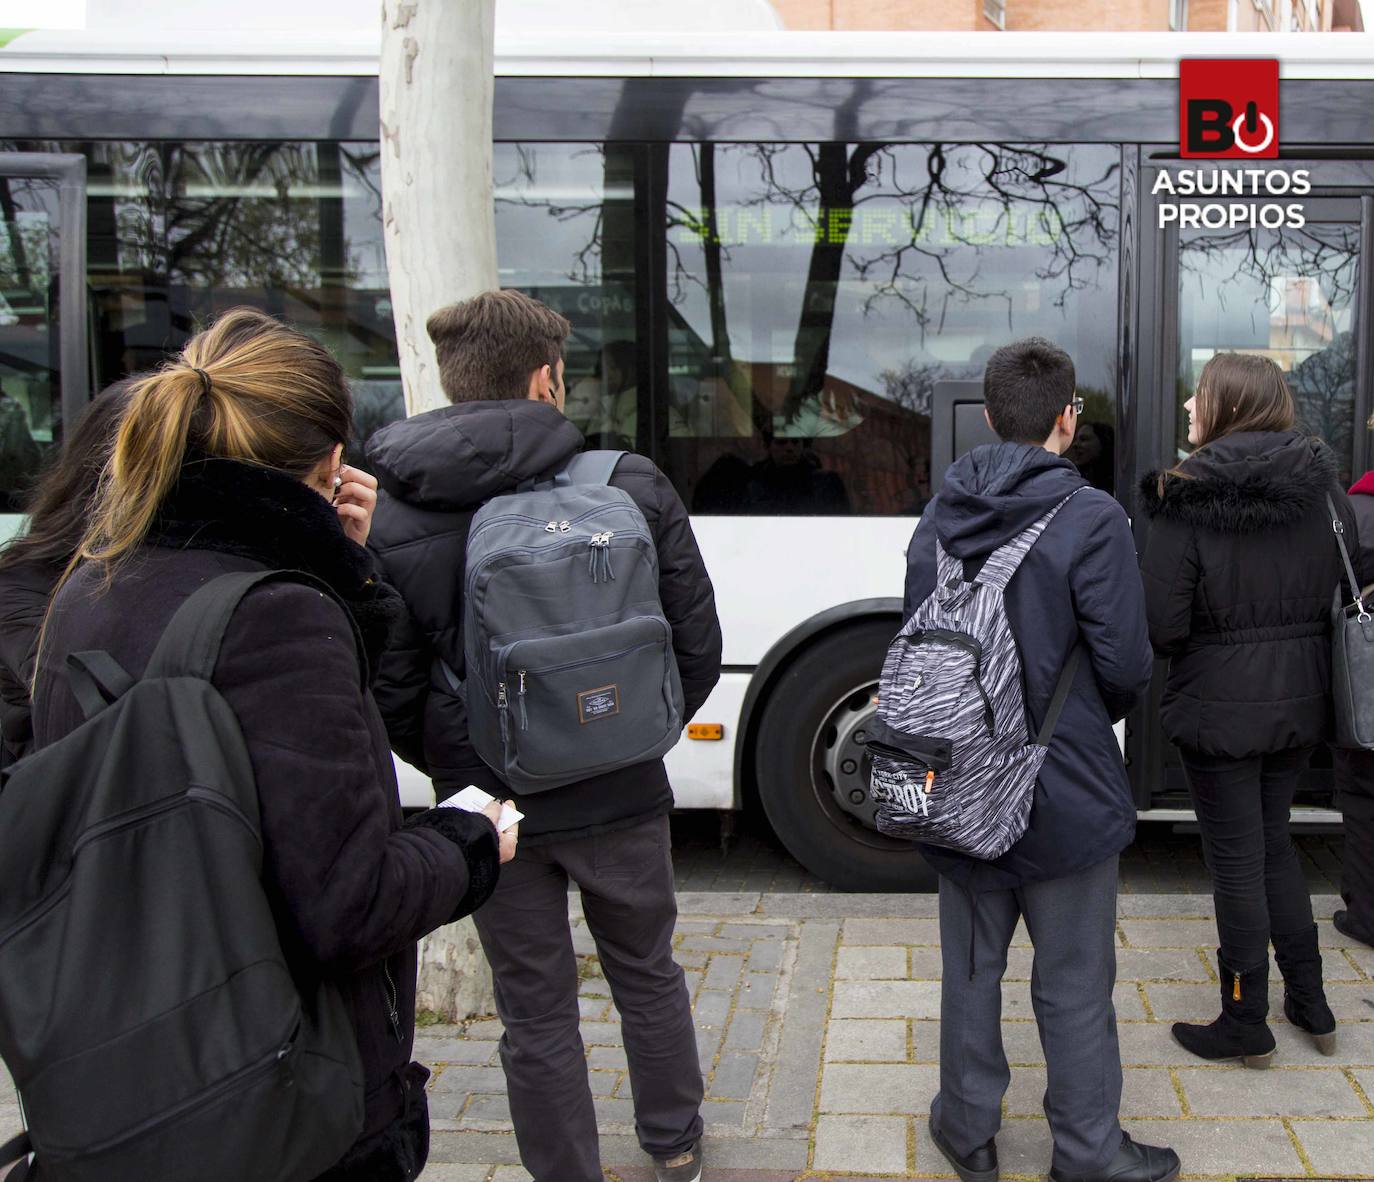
[(706, 730)]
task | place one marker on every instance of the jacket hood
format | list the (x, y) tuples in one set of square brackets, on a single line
[(460, 456), (996, 491), (1243, 483)]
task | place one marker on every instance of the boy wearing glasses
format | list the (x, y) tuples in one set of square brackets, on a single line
[(1078, 586)]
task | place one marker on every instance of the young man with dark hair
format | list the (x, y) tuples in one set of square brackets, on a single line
[(1078, 585), (500, 364)]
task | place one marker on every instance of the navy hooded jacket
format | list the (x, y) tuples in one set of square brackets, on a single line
[(1079, 582)]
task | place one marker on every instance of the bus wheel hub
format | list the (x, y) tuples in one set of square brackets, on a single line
[(843, 739)]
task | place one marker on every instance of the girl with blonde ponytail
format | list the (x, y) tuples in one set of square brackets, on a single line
[(229, 459)]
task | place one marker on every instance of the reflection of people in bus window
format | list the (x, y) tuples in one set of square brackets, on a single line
[(20, 456), (791, 480), (605, 406), (1093, 453)]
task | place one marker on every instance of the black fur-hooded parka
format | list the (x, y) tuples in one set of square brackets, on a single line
[(1239, 569)]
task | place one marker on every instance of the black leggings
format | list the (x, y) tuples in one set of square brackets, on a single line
[(1257, 885)]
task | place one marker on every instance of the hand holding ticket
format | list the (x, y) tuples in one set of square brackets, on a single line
[(473, 800)]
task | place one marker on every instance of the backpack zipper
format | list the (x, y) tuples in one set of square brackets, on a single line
[(392, 1001), (37, 912), (971, 646), (127, 820), (221, 803), (524, 673), (624, 652), (473, 575), (581, 517), (169, 1115)]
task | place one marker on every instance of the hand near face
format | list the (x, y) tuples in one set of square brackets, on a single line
[(354, 502)]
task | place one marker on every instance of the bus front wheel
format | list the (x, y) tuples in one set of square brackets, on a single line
[(812, 770)]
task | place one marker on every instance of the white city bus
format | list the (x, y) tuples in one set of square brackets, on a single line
[(785, 258)]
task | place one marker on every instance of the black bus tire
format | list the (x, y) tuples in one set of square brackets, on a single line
[(797, 796)]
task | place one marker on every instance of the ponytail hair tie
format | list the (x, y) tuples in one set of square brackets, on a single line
[(204, 379)]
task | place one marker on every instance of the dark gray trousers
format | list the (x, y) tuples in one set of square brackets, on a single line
[(1072, 923), (626, 880)]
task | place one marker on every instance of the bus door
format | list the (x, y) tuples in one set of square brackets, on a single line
[(44, 380), (1291, 292)]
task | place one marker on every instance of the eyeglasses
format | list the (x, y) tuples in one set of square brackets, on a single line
[(1077, 404)]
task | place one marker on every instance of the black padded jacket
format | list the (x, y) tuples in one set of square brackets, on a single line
[(351, 888), (436, 470), (1239, 568)]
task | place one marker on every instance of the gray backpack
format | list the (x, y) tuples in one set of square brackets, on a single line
[(570, 665), (953, 764)]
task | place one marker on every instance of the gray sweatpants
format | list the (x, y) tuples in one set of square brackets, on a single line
[(1072, 923), (626, 880)]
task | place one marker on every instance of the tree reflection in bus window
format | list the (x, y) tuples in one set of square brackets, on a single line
[(179, 232), (819, 292), (566, 233), (1285, 294)]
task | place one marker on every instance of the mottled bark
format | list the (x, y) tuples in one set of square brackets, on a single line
[(437, 214)]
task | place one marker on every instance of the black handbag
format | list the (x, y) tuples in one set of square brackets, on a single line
[(1352, 655)]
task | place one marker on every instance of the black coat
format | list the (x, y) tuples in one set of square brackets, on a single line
[(436, 470), (351, 888), (24, 591), (1239, 570), (1078, 582)]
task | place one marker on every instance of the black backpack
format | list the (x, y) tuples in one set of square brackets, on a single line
[(147, 1013)]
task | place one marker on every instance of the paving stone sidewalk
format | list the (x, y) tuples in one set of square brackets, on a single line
[(818, 1024)]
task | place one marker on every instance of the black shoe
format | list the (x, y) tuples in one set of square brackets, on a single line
[(686, 1167), (978, 1166), (1341, 922), (1132, 1163), (1304, 998), (1240, 1032)]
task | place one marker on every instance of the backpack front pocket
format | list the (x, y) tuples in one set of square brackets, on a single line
[(573, 705)]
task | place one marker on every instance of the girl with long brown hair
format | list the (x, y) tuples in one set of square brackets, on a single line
[(1239, 570), (31, 564), (229, 459)]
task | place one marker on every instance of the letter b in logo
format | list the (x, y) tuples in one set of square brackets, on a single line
[(1229, 108)]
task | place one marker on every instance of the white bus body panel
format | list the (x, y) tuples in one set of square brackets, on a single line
[(773, 573)]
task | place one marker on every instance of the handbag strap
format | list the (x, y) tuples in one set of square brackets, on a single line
[(1339, 527)]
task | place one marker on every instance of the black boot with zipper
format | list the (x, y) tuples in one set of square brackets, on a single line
[(1241, 1031), (1304, 999)]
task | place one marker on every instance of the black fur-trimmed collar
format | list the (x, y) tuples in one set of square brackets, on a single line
[(271, 518), (1243, 484)]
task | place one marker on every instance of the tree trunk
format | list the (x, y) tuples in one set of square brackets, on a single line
[(437, 211), (440, 229)]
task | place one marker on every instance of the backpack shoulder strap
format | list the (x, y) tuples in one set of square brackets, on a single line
[(190, 644), (1004, 562), (589, 467), (946, 567)]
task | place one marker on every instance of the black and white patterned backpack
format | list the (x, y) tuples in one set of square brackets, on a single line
[(953, 764)]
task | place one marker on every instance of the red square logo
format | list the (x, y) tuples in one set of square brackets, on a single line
[(1228, 109)]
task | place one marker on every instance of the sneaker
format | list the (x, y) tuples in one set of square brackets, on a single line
[(685, 1167)]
